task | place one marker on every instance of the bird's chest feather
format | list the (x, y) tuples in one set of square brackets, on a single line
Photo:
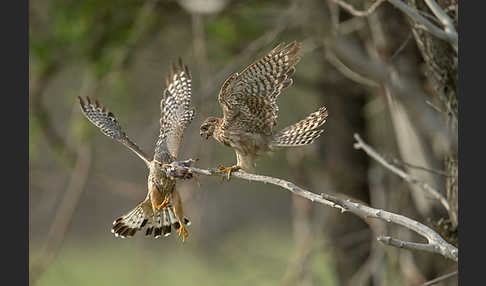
[(162, 184), (245, 142), (159, 186)]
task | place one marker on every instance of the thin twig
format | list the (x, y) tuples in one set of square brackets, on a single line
[(424, 186), (372, 270), (434, 171), (347, 72), (444, 19), (358, 13), (440, 278), (404, 89), (402, 46), (439, 245), (448, 35)]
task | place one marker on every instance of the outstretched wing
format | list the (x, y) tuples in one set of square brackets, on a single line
[(248, 99), (108, 124), (176, 113)]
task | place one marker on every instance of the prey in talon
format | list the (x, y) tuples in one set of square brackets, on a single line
[(249, 103), (179, 169), (161, 210)]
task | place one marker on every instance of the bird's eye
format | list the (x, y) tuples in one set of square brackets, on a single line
[(204, 128)]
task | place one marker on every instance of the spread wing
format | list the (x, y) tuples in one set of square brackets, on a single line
[(176, 113), (248, 99), (108, 125)]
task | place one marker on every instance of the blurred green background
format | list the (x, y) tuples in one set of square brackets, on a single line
[(242, 233)]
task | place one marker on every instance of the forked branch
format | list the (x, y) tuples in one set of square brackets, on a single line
[(360, 144), (447, 32), (435, 243)]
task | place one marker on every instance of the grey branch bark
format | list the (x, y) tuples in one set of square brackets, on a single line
[(424, 186), (448, 34), (435, 244), (440, 278), (354, 12), (406, 244)]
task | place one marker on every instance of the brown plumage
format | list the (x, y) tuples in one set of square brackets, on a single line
[(249, 103), (162, 208)]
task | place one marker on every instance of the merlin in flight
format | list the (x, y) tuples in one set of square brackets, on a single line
[(248, 100), (162, 206)]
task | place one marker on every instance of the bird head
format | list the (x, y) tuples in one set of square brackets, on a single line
[(207, 128)]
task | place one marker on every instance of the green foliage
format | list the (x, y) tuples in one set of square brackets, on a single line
[(240, 25), (222, 29), (89, 31)]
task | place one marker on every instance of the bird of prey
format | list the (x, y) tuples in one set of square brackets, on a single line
[(162, 206), (248, 100)]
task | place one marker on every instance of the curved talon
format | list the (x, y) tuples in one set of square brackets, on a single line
[(182, 231), (164, 203), (223, 169), (164, 165)]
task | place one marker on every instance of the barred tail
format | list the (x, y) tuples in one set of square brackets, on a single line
[(163, 223), (143, 215), (301, 133), (136, 219)]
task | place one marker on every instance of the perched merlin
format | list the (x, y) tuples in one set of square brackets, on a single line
[(162, 207), (248, 100)]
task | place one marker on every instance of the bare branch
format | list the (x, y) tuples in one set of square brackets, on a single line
[(406, 244), (448, 34), (357, 13), (347, 72), (424, 186), (444, 19), (437, 172), (440, 278), (439, 245), (403, 89), (402, 46), (270, 180)]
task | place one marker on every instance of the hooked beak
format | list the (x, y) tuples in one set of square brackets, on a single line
[(204, 135)]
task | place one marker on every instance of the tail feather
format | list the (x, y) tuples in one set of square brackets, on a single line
[(166, 229), (173, 220), (129, 224), (303, 132), (141, 216), (157, 226)]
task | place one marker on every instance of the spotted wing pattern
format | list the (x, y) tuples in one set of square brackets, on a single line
[(248, 99), (108, 125), (176, 113), (303, 132)]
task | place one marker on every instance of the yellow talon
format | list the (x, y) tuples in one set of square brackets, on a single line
[(164, 203), (182, 231), (223, 169), (163, 165)]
